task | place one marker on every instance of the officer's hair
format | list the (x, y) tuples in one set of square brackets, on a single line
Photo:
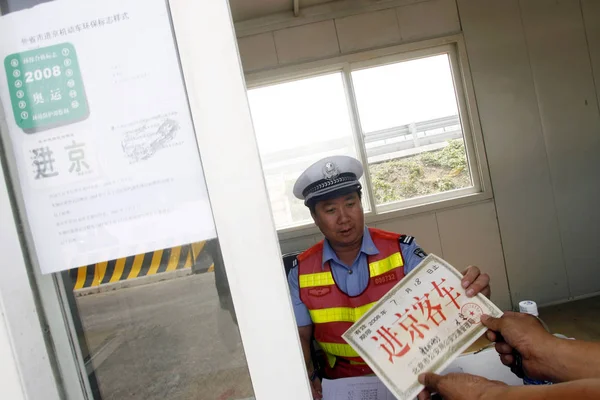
[(312, 204)]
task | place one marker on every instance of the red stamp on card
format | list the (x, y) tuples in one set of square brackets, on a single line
[(472, 311)]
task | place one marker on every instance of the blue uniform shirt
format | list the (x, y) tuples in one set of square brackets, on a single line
[(352, 284)]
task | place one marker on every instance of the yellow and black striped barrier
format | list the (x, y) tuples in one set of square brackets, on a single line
[(132, 267)]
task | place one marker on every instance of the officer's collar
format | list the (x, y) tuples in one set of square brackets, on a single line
[(367, 247)]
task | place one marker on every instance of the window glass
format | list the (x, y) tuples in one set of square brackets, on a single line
[(298, 123), (411, 127)]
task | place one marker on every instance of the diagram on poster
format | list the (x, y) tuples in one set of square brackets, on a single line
[(95, 113)]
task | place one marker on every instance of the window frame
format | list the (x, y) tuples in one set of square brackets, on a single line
[(454, 47)]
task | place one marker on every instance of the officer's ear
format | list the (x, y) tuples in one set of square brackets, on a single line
[(315, 218), (313, 214), (312, 206)]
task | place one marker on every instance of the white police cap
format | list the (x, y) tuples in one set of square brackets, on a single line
[(331, 176)]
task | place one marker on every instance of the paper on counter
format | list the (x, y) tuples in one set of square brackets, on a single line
[(486, 364), (421, 325), (361, 388)]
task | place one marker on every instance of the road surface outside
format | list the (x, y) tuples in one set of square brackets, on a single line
[(165, 340)]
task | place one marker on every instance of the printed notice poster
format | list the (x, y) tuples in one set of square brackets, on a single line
[(421, 325), (94, 112)]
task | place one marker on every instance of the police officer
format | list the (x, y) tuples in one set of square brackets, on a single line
[(336, 281)]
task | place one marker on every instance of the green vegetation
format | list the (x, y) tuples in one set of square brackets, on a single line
[(421, 174)]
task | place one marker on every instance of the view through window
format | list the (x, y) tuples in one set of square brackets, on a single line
[(411, 128)]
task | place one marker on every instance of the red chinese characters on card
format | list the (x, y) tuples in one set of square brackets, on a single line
[(429, 309)]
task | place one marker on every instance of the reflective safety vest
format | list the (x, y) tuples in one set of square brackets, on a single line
[(333, 312)]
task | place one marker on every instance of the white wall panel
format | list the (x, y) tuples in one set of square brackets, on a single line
[(470, 236), (257, 51), (423, 227), (352, 32), (571, 124), (362, 31), (312, 41), (428, 19), (515, 149)]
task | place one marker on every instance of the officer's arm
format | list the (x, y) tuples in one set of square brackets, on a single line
[(412, 253), (303, 320), (305, 340)]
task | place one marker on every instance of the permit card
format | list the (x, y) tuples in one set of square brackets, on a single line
[(421, 325)]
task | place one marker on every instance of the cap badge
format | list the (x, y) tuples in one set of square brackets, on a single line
[(330, 171)]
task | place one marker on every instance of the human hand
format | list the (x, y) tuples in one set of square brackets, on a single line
[(316, 388), (460, 387), (522, 333), (476, 282)]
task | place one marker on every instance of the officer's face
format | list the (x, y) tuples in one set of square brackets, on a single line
[(341, 219)]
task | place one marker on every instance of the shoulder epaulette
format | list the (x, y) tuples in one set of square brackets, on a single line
[(405, 239)]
